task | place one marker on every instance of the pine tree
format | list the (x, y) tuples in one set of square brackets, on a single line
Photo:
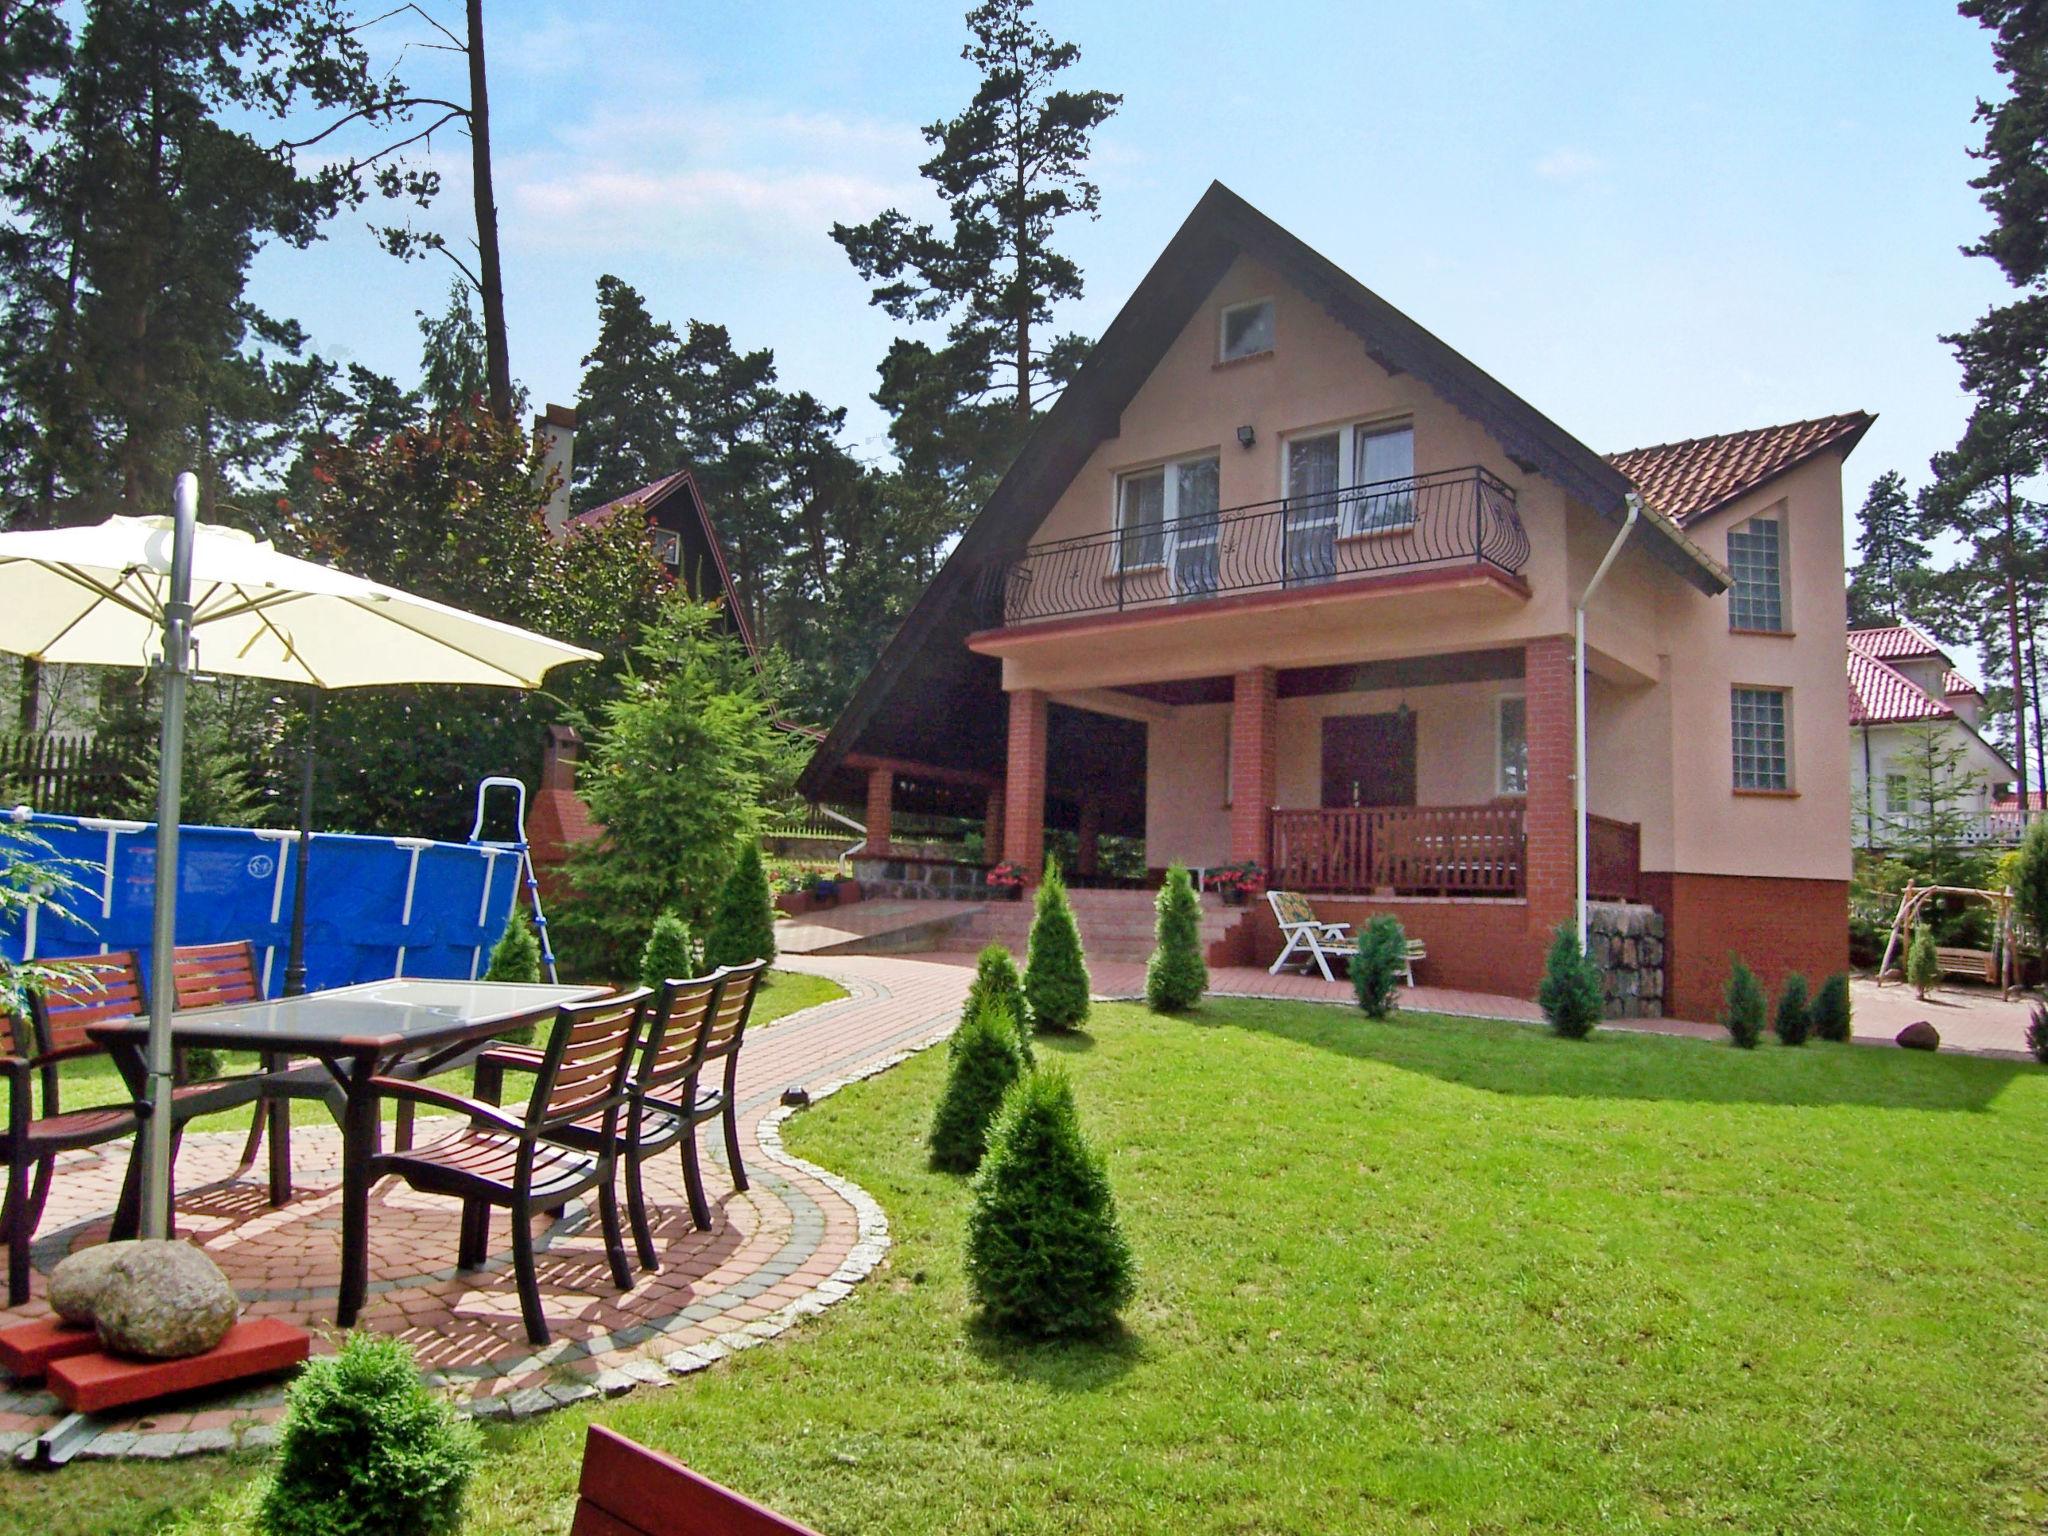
[(1177, 975), (1930, 833), (1571, 995), (671, 952), (629, 420), (1742, 1007), (742, 926), (1046, 1255), (1886, 584), (996, 984), (983, 1060), (453, 373), (1055, 970)]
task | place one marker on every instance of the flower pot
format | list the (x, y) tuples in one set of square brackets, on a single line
[(1233, 896)]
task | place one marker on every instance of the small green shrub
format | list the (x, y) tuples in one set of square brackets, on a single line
[(1055, 970), (1743, 1007), (1177, 976), (1793, 1021), (1571, 995), (516, 957), (1830, 1011), (996, 983), (983, 1062), (2037, 1033), (202, 1064), (367, 1449), (2029, 877), (1046, 1256), (743, 919), (671, 952), (1378, 964), (1923, 965)]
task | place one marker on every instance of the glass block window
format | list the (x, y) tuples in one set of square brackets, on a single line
[(1512, 735), (1762, 755), (1758, 598)]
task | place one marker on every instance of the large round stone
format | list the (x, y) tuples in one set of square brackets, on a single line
[(163, 1301), (75, 1282), (1920, 1036)]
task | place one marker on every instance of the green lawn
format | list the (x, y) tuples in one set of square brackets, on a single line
[(94, 1080), (1424, 1276)]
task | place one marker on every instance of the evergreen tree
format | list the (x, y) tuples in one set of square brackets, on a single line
[(1177, 976), (996, 984), (671, 952), (743, 922), (1378, 963), (452, 367), (1891, 571), (1793, 1021), (1046, 1255), (1742, 1007), (1010, 167), (629, 425), (1831, 1008), (982, 1062), (1055, 970), (516, 955), (1930, 830), (1923, 964), (1571, 996), (2030, 879)]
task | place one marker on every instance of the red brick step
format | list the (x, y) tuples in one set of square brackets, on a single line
[(95, 1382)]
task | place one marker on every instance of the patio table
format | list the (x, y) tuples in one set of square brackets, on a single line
[(356, 1033)]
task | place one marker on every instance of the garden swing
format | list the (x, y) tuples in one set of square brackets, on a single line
[(1999, 964)]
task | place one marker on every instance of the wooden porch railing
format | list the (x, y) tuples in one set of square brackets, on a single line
[(1427, 850)]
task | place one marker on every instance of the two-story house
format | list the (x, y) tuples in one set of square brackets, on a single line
[(1284, 578), (1900, 679)]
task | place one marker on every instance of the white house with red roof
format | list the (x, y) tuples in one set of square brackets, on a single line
[(1901, 677)]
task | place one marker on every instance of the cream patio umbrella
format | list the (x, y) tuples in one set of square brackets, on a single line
[(177, 595)]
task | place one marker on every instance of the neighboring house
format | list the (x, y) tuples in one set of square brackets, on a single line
[(1282, 577), (680, 529), (1900, 678)]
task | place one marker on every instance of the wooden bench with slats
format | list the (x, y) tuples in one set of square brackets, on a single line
[(628, 1490)]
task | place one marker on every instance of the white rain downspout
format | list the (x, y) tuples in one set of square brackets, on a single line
[(1635, 509)]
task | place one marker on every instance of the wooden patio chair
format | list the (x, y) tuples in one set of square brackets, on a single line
[(1307, 934), (105, 987), (628, 1490), (501, 1159)]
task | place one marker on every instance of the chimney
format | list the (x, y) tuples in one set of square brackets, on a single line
[(555, 428), (558, 758)]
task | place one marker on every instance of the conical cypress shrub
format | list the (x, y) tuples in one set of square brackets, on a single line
[(984, 1062), (1055, 971), (1378, 962), (1793, 1021), (1923, 965), (516, 955), (996, 983), (1831, 1008), (1742, 1007), (743, 920), (1571, 994), (1045, 1254), (671, 952), (1177, 976)]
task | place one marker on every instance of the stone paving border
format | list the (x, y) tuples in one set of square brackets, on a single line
[(895, 1008)]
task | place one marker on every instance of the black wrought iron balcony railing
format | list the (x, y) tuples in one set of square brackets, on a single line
[(1437, 521)]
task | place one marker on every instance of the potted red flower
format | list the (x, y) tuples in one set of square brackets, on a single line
[(1238, 883), (1006, 881)]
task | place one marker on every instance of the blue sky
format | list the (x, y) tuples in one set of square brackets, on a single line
[(1652, 221)]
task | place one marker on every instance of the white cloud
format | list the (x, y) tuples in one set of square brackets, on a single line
[(1566, 165)]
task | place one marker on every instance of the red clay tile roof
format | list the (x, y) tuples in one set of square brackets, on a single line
[(1896, 642), (1687, 480), (1882, 695), (1953, 683)]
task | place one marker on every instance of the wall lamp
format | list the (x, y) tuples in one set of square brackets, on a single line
[(1246, 437)]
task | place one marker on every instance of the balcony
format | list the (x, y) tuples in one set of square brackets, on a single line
[(1436, 850), (1453, 520)]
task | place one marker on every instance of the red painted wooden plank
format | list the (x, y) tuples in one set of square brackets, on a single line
[(27, 1349), (95, 1382), (628, 1490)]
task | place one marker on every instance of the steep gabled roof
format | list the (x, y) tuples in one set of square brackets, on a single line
[(1880, 694), (931, 696), (1692, 479), (654, 500), (1896, 642)]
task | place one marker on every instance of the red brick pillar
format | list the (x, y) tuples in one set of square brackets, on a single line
[(1085, 860), (1253, 765), (1551, 876), (881, 795), (1024, 783), (992, 825)]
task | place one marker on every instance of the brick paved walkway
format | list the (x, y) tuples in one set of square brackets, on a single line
[(792, 1245)]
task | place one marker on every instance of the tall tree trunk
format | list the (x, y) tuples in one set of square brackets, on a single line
[(2012, 625), (490, 278), (2034, 684)]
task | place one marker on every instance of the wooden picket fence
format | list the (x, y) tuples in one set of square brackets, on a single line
[(64, 775)]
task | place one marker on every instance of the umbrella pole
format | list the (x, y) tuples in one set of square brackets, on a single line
[(177, 667), (295, 956)]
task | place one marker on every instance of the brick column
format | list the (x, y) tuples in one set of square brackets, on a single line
[(881, 794), (1024, 783), (992, 825), (1550, 816), (1254, 767), (1085, 861)]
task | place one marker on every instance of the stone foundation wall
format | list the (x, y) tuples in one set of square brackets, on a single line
[(920, 879), (1626, 941)]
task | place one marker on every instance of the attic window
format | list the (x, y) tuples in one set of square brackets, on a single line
[(668, 546), (1247, 329)]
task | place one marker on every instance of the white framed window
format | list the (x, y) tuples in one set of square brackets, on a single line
[(1756, 561), (668, 546), (1762, 734), (1168, 518), (1246, 330), (1511, 744), (1357, 479), (1897, 797)]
